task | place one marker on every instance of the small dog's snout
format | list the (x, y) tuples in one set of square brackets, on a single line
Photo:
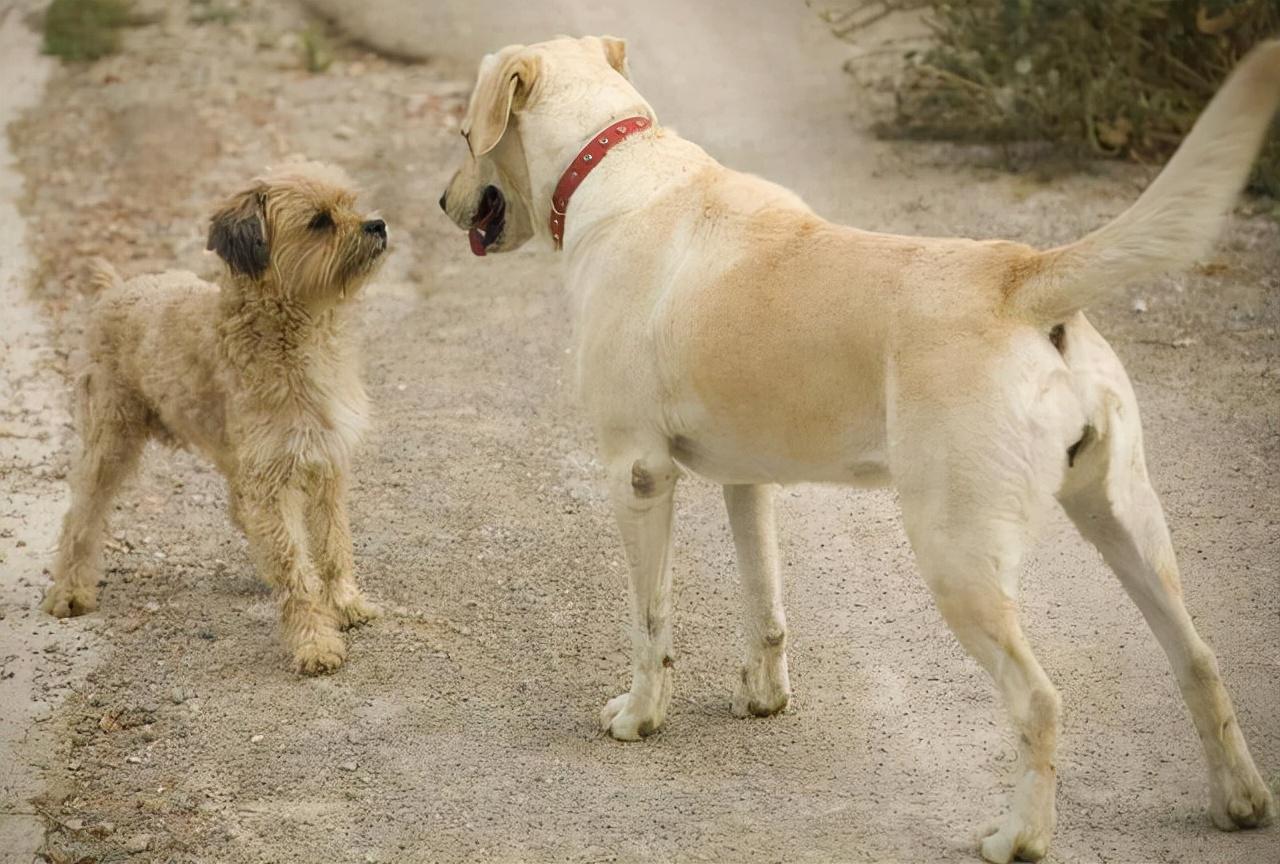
[(443, 196), (376, 226)]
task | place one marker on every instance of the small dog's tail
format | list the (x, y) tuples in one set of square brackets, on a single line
[(1179, 216), (102, 276)]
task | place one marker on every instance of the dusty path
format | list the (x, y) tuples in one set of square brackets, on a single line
[(463, 727)]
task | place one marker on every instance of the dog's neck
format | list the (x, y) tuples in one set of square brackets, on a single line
[(610, 188), (261, 325)]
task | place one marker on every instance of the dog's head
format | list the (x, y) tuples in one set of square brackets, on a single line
[(296, 231), (530, 103)]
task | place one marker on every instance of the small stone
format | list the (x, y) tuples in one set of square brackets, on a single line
[(344, 133), (1140, 305), (348, 766), (74, 824), (134, 760), (177, 695), (255, 739), (152, 606), (137, 843)]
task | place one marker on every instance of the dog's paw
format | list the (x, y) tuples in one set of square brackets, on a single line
[(1015, 837), (1242, 800), (63, 603), (629, 718), (319, 654), (1025, 831), (355, 612), (763, 688)]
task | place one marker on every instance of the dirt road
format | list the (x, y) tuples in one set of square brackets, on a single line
[(464, 725)]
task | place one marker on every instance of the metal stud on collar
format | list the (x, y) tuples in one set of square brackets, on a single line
[(585, 160)]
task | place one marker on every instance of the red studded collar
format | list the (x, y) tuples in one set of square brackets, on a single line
[(584, 163)]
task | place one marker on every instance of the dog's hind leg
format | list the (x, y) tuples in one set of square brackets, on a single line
[(1109, 498), (112, 435), (976, 474), (642, 487), (272, 506), (330, 532), (970, 564), (764, 687)]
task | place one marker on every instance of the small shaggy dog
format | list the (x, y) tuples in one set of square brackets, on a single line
[(260, 376)]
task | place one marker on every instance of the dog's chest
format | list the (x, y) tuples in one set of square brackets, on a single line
[(329, 428)]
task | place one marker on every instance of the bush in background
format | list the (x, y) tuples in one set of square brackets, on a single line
[(85, 29), (1114, 77)]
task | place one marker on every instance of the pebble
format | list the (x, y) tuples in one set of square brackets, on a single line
[(348, 766), (137, 843), (178, 695), (254, 739), (1139, 305)]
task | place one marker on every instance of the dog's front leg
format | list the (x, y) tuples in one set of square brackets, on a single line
[(642, 487), (764, 687), (330, 532), (274, 520)]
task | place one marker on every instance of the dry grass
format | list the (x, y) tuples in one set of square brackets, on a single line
[(1113, 77)]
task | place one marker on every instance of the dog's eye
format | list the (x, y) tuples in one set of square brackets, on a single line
[(321, 221)]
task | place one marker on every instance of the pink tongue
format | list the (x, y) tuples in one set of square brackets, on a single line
[(477, 241)]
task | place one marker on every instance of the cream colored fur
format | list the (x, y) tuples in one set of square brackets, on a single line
[(723, 327), (259, 375)]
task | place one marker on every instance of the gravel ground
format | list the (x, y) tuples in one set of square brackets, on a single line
[(166, 727)]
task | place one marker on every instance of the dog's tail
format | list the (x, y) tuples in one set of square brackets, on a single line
[(102, 276), (1179, 216)]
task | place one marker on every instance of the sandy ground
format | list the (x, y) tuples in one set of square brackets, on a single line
[(166, 726)]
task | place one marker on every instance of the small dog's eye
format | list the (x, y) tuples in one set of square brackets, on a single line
[(321, 220)]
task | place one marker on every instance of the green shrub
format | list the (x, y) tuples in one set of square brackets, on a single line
[(85, 29), (1115, 77)]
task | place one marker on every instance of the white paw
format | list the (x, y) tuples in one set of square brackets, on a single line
[(641, 712), (1014, 837), (1025, 831), (1242, 800), (763, 687)]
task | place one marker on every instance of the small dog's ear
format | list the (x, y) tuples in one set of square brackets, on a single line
[(502, 87), (237, 233), (615, 51)]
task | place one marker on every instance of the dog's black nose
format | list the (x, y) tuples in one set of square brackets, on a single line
[(376, 226), (443, 196)]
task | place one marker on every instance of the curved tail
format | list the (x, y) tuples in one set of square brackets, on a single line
[(102, 276), (1178, 217)]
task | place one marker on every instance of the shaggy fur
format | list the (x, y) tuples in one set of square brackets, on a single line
[(725, 328), (259, 375)]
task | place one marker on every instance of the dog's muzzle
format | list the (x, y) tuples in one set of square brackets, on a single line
[(486, 227), (377, 228)]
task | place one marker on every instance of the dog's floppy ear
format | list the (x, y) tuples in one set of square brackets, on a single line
[(237, 233), (504, 83), (615, 51)]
